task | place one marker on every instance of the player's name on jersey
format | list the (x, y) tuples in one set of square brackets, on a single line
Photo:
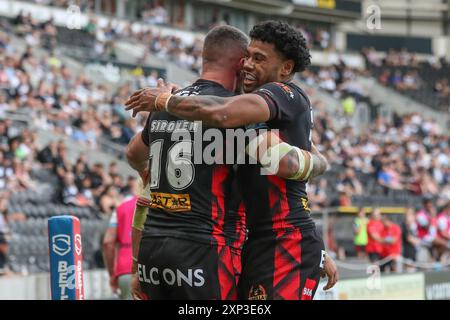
[(171, 126), (205, 145)]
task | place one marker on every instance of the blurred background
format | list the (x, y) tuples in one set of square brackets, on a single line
[(379, 85)]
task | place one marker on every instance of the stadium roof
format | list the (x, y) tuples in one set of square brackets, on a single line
[(327, 11)]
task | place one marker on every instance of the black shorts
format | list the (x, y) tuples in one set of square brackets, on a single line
[(283, 268), (171, 268)]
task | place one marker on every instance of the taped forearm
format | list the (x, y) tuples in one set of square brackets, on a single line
[(140, 215), (141, 209), (282, 159), (320, 165)]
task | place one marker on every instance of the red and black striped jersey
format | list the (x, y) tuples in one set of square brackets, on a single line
[(190, 198), (275, 205)]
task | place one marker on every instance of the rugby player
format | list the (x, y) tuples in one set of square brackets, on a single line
[(284, 255), (137, 153), (186, 243)]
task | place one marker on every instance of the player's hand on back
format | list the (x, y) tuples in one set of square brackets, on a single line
[(330, 270), (144, 99), (167, 86)]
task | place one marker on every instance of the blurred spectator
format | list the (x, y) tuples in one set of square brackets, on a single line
[(443, 233), (427, 229), (317, 194), (4, 236), (22, 176), (423, 183), (127, 190), (117, 249), (69, 190), (343, 199), (6, 171), (392, 244), (48, 155), (349, 106), (156, 15), (85, 197), (109, 200), (410, 239), (98, 176), (351, 183), (388, 177), (360, 230), (424, 221), (375, 229), (332, 245)]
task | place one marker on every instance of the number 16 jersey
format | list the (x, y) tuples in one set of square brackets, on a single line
[(191, 199)]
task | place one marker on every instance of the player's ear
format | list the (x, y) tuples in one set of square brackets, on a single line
[(287, 67), (241, 63)]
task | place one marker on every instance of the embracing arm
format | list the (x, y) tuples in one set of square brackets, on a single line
[(319, 161), (290, 165), (220, 112), (286, 161)]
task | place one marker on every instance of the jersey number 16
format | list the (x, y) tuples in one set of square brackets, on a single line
[(179, 169)]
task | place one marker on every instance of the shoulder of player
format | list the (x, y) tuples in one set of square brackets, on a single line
[(289, 90), (204, 87)]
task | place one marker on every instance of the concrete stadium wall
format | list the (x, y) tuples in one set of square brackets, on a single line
[(433, 285), (37, 286)]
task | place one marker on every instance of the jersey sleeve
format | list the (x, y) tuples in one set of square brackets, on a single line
[(145, 132), (283, 101)]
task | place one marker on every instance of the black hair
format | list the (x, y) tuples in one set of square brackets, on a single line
[(288, 41)]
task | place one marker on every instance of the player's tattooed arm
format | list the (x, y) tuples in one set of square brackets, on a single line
[(290, 162), (289, 165), (220, 112), (214, 111), (320, 163)]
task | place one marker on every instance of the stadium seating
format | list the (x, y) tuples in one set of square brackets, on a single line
[(429, 75)]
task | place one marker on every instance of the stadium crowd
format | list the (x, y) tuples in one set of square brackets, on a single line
[(155, 13), (56, 98), (407, 153), (425, 80)]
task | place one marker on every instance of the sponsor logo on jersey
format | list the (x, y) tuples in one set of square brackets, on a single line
[(307, 293), (257, 293), (170, 202), (305, 204), (286, 89), (177, 277)]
